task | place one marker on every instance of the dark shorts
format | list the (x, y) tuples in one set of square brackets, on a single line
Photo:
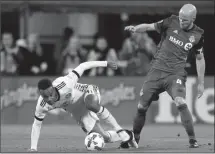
[(158, 81)]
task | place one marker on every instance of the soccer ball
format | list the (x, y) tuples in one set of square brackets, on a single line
[(94, 141)]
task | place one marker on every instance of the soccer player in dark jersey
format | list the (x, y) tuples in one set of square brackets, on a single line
[(179, 35)]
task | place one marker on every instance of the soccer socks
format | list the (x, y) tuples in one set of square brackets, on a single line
[(138, 124), (187, 120), (113, 136), (105, 115)]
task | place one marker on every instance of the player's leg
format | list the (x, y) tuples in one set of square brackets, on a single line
[(92, 101), (146, 97), (90, 123), (109, 136), (148, 93), (177, 90)]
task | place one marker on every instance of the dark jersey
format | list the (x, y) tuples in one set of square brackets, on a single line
[(176, 44)]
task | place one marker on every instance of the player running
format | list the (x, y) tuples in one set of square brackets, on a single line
[(179, 35), (80, 100)]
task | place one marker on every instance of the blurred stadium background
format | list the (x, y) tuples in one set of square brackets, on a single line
[(48, 38)]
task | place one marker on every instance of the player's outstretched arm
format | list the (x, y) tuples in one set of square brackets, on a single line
[(40, 114), (141, 28), (92, 64), (159, 26), (79, 70)]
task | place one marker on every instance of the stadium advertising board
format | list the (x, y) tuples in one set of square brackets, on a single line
[(119, 94)]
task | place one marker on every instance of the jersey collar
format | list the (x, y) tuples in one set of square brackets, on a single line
[(190, 28)]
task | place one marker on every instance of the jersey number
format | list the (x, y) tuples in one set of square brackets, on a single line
[(179, 81)]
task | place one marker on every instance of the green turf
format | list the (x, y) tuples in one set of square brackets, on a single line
[(154, 138)]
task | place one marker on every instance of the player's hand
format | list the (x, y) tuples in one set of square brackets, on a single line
[(200, 89), (130, 29), (112, 65), (32, 150)]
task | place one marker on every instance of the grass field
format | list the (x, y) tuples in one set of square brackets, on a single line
[(66, 138)]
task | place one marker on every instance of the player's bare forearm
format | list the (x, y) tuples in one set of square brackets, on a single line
[(141, 28), (200, 67), (145, 27)]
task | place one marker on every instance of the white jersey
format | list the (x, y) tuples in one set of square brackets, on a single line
[(72, 95)]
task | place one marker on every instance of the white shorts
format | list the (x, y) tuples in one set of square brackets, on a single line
[(89, 120), (92, 90)]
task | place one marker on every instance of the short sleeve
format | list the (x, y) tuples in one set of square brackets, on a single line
[(199, 47), (162, 25), (73, 77)]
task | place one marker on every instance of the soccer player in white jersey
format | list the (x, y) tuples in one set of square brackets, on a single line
[(82, 101)]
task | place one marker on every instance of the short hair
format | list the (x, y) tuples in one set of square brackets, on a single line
[(43, 84)]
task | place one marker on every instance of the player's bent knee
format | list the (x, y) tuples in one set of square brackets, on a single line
[(179, 101), (142, 109), (182, 107), (92, 102)]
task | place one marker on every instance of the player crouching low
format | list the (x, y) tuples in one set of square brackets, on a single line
[(80, 100)]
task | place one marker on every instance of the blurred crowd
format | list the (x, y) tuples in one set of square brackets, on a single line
[(28, 57), (22, 57)]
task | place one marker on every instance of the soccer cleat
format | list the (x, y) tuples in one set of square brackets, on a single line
[(124, 145), (193, 143), (131, 142)]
